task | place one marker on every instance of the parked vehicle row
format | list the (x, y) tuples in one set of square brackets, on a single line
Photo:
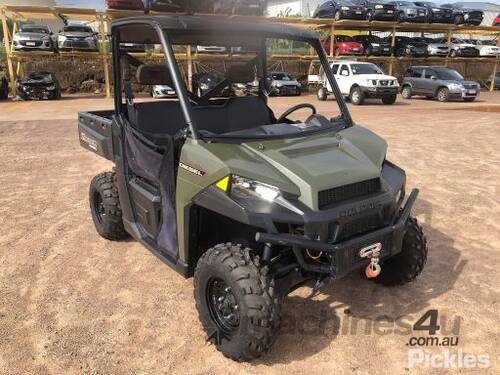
[(40, 37), (371, 45), (401, 11), (240, 7)]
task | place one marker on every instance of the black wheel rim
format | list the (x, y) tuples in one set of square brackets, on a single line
[(99, 209), (223, 306)]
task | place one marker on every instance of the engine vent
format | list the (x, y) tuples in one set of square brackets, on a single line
[(342, 193)]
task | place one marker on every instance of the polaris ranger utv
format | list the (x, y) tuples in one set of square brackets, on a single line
[(250, 204)]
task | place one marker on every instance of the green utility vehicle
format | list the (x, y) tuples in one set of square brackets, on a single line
[(217, 187)]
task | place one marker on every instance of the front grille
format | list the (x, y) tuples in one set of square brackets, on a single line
[(360, 226), (342, 193), (470, 86), (36, 43)]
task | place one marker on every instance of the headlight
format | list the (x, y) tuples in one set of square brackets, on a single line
[(51, 88), (378, 6), (455, 86), (411, 10), (61, 38), (204, 86), (344, 8), (371, 82), (435, 9), (375, 45), (279, 85), (244, 187)]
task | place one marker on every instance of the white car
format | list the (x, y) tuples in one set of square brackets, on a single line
[(359, 81), (486, 49), (162, 91)]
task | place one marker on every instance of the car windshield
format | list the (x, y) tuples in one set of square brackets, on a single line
[(404, 3), (448, 74), (39, 30), (78, 29), (365, 69), (281, 77)]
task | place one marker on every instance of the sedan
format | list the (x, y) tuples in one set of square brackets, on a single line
[(340, 9), (33, 37), (436, 13)]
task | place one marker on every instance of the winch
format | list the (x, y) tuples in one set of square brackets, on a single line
[(372, 252)]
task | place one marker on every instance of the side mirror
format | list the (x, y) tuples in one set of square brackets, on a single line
[(433, 77)]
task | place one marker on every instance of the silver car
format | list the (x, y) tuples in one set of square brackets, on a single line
[(33, 37), (77, 37)]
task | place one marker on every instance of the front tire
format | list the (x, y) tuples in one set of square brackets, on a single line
[(337, 16), (406, 92), (237, 303), (356, 96), (409, 263), (105, 207), (389, 99), (443, 94), (322, 94)]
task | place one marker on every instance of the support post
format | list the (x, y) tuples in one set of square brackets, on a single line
[(104, 54), (332, 40), (8, 52), (492, 83), (190, 68), (393, 44)]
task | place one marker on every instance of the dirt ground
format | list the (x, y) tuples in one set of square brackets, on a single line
[(74, 303)]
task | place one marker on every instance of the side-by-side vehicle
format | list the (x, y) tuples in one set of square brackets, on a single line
[(251, 203)]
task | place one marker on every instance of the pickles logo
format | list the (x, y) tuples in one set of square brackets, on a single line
[(88, 141)]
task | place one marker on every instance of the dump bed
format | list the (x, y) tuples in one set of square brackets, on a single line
[(95, 132)]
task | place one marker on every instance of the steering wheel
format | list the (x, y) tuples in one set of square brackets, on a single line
[(289, 111)]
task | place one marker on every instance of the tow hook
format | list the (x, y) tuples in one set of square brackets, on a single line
[(372, 252)]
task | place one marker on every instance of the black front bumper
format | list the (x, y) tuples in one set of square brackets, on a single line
[(345, 255), (384, 15), (379, 92)]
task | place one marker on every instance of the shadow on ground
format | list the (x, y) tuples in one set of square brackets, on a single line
[(357, 306)]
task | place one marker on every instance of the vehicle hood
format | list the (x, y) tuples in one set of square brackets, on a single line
[(286, 83), (437, 45), (460, 81), (463, 45), (39, 81), (350, 44), (76, 34), (376, 76), (321, 161), (31, 36)]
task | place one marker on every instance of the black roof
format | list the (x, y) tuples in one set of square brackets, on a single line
[(208, 24)]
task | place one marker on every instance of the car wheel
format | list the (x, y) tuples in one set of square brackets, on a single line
[(453, 53), (389, 99), (337, 16), (369, 15), (368, 51), (409, 263), (356, 96), (443, 94), (406, 92), (401, 17), (458, 19), (105, 207), (322, 94), (237, 302)]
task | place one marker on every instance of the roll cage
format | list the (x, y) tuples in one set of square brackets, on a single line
[(194, 30)]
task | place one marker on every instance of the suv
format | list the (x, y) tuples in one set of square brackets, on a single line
[(359, 81), (409, 12), (377, 10), (406, 46), (251, 204), (438, 82), (340, 9), (463, 15), (283, 84), (435, 13)]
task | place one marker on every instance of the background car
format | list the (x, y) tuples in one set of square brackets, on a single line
[(435, 47), (241, 7), (344, 45), (125, 4), (340, 9), (39, 85), (465, 15), (496, 21), (377, 10), (496, 79), (485, 47), (34, 37), (462, 48), (77, 37), (436, 13), (406, 46), (438, 82), (373, 45), (409, 12), (204, 82), (162, 91), (283, 84), (4, 87), (210, 49)]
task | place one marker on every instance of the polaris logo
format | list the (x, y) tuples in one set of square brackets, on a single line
[(354, 211)]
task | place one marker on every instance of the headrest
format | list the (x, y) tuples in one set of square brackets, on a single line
[(148, 74), (240, 72)]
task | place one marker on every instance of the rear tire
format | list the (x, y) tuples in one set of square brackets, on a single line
[(105, 207), (237, 303), (443, 94), (389, 99), (356, 96), (337, 16), (322, 94), (406, 92), (409, 263), (458, 19)]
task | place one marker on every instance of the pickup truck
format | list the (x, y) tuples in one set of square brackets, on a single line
[(359, 81)]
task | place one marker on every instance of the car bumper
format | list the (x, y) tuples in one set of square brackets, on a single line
[(381, 51), (438, 52), (286, 90), (82, 45), (440, 18), (409, 17), (379, 92), (467, 52), (345, 255), (353, 15), (384, 15), (33, 46), (39, 93)]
